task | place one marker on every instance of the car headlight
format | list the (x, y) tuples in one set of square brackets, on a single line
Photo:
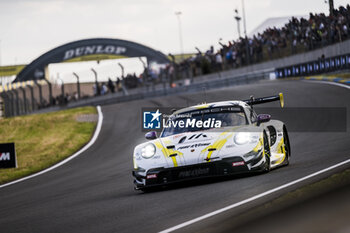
[(148, 151), (242, 138)]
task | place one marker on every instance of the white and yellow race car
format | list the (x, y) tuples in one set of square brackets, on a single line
[(215, 139)]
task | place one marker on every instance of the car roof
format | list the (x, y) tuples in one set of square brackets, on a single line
[(211, 105)]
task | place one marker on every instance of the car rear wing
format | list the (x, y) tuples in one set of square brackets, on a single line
[(262, 100)]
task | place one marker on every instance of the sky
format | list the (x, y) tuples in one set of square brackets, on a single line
[(29, 28)]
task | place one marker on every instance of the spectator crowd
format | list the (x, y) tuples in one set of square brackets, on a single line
[(298, 35)]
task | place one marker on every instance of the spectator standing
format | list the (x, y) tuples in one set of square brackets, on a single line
[(110, 85), (118, 84), (218, 60), (95, 89), (104, 89)]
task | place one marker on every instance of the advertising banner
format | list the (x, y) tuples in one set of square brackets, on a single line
[(319, 66), (7, 155)]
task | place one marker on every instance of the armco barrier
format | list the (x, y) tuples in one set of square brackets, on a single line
[(303, 64), (194, 87), (160, 90)]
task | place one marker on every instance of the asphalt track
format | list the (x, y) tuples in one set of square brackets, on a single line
[(94, 192)]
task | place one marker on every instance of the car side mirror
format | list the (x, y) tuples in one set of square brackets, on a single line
[(263, 118), (151, 135)]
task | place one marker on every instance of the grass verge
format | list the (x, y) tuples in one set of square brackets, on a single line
[(42, 140), (296, 197), (310, 191)]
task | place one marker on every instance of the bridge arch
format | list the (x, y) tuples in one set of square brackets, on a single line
[(89, 49)]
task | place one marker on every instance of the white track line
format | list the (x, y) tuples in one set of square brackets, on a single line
[(328, 82), (252, 198), (264, 193), (91, 142)]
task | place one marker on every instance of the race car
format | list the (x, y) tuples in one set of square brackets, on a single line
[(235, 140)]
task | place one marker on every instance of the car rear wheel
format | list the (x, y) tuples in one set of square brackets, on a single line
[(286, 146), (267, 165)]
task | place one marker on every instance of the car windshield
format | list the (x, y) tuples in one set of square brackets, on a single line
[(227, 116)]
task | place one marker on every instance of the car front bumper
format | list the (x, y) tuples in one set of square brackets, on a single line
[(164, 176)]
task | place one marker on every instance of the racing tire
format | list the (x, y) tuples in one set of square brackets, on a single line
[(266, 148), (286, 146)]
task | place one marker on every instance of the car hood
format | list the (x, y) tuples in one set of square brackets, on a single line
[(198, 147)]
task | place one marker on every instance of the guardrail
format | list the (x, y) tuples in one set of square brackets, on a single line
[(26, 98), (165, 90), (14, 106)]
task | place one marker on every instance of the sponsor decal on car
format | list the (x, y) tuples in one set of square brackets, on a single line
[(193, 146), (151, 176), (236, 164), (194, 172)]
